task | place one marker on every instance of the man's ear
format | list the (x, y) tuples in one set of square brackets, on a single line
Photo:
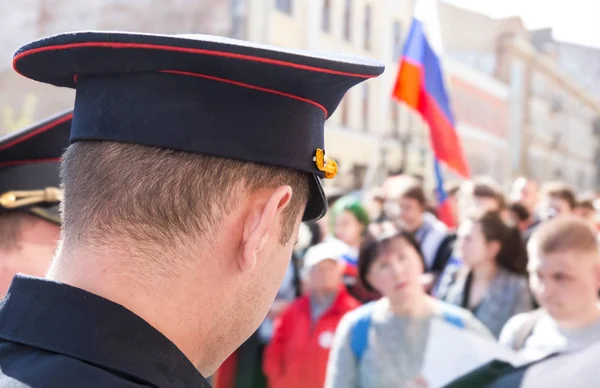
[(261, 223)]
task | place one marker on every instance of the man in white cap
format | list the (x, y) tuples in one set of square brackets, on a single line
[(298, 353)]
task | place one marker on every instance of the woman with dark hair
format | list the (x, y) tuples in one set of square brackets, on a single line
[(382, 344), (492, 284)]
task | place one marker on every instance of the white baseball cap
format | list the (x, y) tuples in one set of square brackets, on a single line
[(330, 250)]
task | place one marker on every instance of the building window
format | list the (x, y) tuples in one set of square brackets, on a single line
[(365, 107), (397, 40), (326, 16), (284, 6), (359, 173), (347, 19), (368, 27)]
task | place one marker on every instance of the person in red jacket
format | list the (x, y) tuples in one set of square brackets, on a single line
[(299, 350)]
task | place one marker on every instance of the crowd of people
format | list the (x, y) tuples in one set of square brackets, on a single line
[(174, 242), (367, 281)]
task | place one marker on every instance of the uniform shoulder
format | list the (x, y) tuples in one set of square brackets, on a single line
[(26, 367)]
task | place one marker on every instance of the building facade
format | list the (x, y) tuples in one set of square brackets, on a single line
[(370, 135), (552, 124), (552, 93)]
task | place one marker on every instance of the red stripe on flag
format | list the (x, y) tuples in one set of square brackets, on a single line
[(446, 215), (444, 138), (410, 89)]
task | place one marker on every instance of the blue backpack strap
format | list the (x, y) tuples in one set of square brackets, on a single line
[(451, 316), (359, 333)]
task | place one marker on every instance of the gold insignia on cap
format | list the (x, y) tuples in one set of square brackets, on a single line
[(15, 199), (328, 166)]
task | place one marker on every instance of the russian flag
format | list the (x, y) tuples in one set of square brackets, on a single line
[(420, 85)]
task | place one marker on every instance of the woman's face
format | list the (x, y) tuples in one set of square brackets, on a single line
[(472, 245), (396, 272), (348, 228)]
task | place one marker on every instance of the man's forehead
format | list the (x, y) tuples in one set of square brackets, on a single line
[(561, 261)]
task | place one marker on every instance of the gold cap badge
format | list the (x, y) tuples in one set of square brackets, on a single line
[(15, 199), (328, 166)]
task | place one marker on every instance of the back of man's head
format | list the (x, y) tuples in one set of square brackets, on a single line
[(564, 267), (121, 194)]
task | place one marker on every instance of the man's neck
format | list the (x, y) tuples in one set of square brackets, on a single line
[(590, 316), (165, 304)]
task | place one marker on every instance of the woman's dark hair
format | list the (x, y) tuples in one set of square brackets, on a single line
[(372, 248), (513, 254), (520, 210)]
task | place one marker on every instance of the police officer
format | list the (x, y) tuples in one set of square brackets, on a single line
[(193, 161), (29, 195)]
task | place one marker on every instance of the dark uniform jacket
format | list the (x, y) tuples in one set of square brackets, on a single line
[(55, 335)]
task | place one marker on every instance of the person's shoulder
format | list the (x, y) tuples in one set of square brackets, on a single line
[(461, 317), (360, 313), (514, 278), (23, 366), (349, 302), (297, 306), (444, 309)]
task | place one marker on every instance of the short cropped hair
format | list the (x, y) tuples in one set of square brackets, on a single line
[(563, 233), (586, 202), (562, 191), (486, 187), (158, 196), (413, 189)]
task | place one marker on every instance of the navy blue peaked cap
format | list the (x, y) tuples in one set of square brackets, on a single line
[(201, 94), (30, 165)]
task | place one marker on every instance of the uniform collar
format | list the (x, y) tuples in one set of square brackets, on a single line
[(73, 322)]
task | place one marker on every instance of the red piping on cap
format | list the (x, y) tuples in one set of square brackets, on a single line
[(184, 50), (37, 131), (249, 87), (29, 161)]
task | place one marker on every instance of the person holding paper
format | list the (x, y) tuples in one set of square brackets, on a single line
[(383, 344), (563, 338), (565, 278)]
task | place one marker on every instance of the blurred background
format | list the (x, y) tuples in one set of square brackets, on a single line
[(523, 76)]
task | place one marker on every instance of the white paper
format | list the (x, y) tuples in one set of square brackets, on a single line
[(452, 352)]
